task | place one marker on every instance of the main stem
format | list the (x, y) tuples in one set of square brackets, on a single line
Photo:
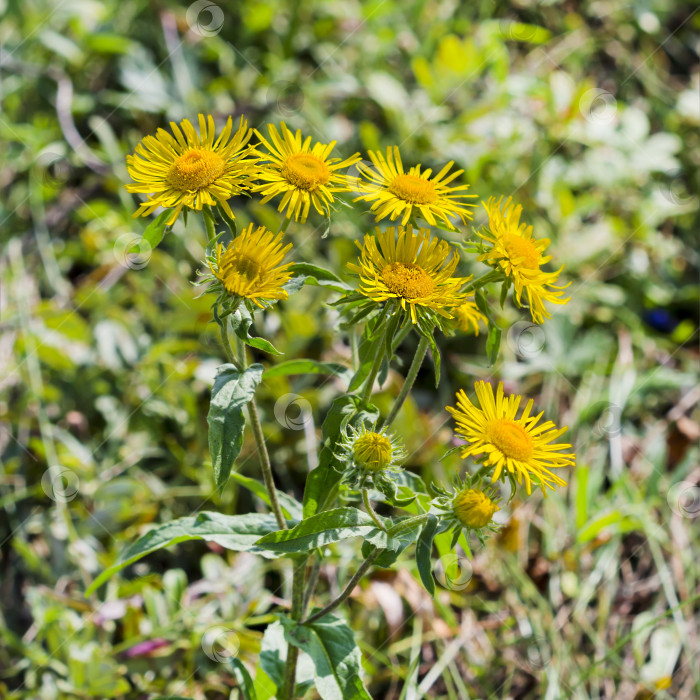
[(297, 612), (408, 383)]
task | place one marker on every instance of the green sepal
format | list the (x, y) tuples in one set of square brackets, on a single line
[(154, 232)]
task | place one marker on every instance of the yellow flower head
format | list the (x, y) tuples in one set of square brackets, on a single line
[(373, 451), (251, 266), (518, 447), (395, 193), (473, 508), (190, 169), (467, 316), (520, 256), (303, 174), (414, 268)]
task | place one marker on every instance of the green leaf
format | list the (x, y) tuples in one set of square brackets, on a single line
[(331, 645), (493, 342), (303, 366), (482, 303), (320, 277), (273, 655), (397, 545), (391, 331), (232, 391), (424, 549), (246, 684), (154, 232), (504, 291), (241, 321), (366, 353), (230, 223), (290, 506), (325, 528), (235, 532)]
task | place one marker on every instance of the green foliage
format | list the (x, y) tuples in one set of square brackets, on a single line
[(589, 117), (238, 533), (232, 391), (424, 548), (336, 657), (323, 529), (345, 410)]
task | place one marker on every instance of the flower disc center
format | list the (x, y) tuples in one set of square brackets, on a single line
[(372, 451), (194, 170), (407, 280), (305, 171), (415, 190), (510, 438), (522, 248)]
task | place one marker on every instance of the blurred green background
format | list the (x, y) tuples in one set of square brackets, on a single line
[(586, 112)]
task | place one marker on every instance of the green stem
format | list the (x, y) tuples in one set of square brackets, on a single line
[(407, 524), (370, 510), (369, 383), (265, 465), (209, 222), (348, 589), (285, 224), (312, 579), (408, 383), (400, 336), (297, 612), (223, 327), (490, 276)]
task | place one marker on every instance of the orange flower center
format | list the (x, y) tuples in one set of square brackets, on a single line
[(522, 249), (305, 171), (407, 280), (473, 508), (510, 438), (194, 170), (413, 189)]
